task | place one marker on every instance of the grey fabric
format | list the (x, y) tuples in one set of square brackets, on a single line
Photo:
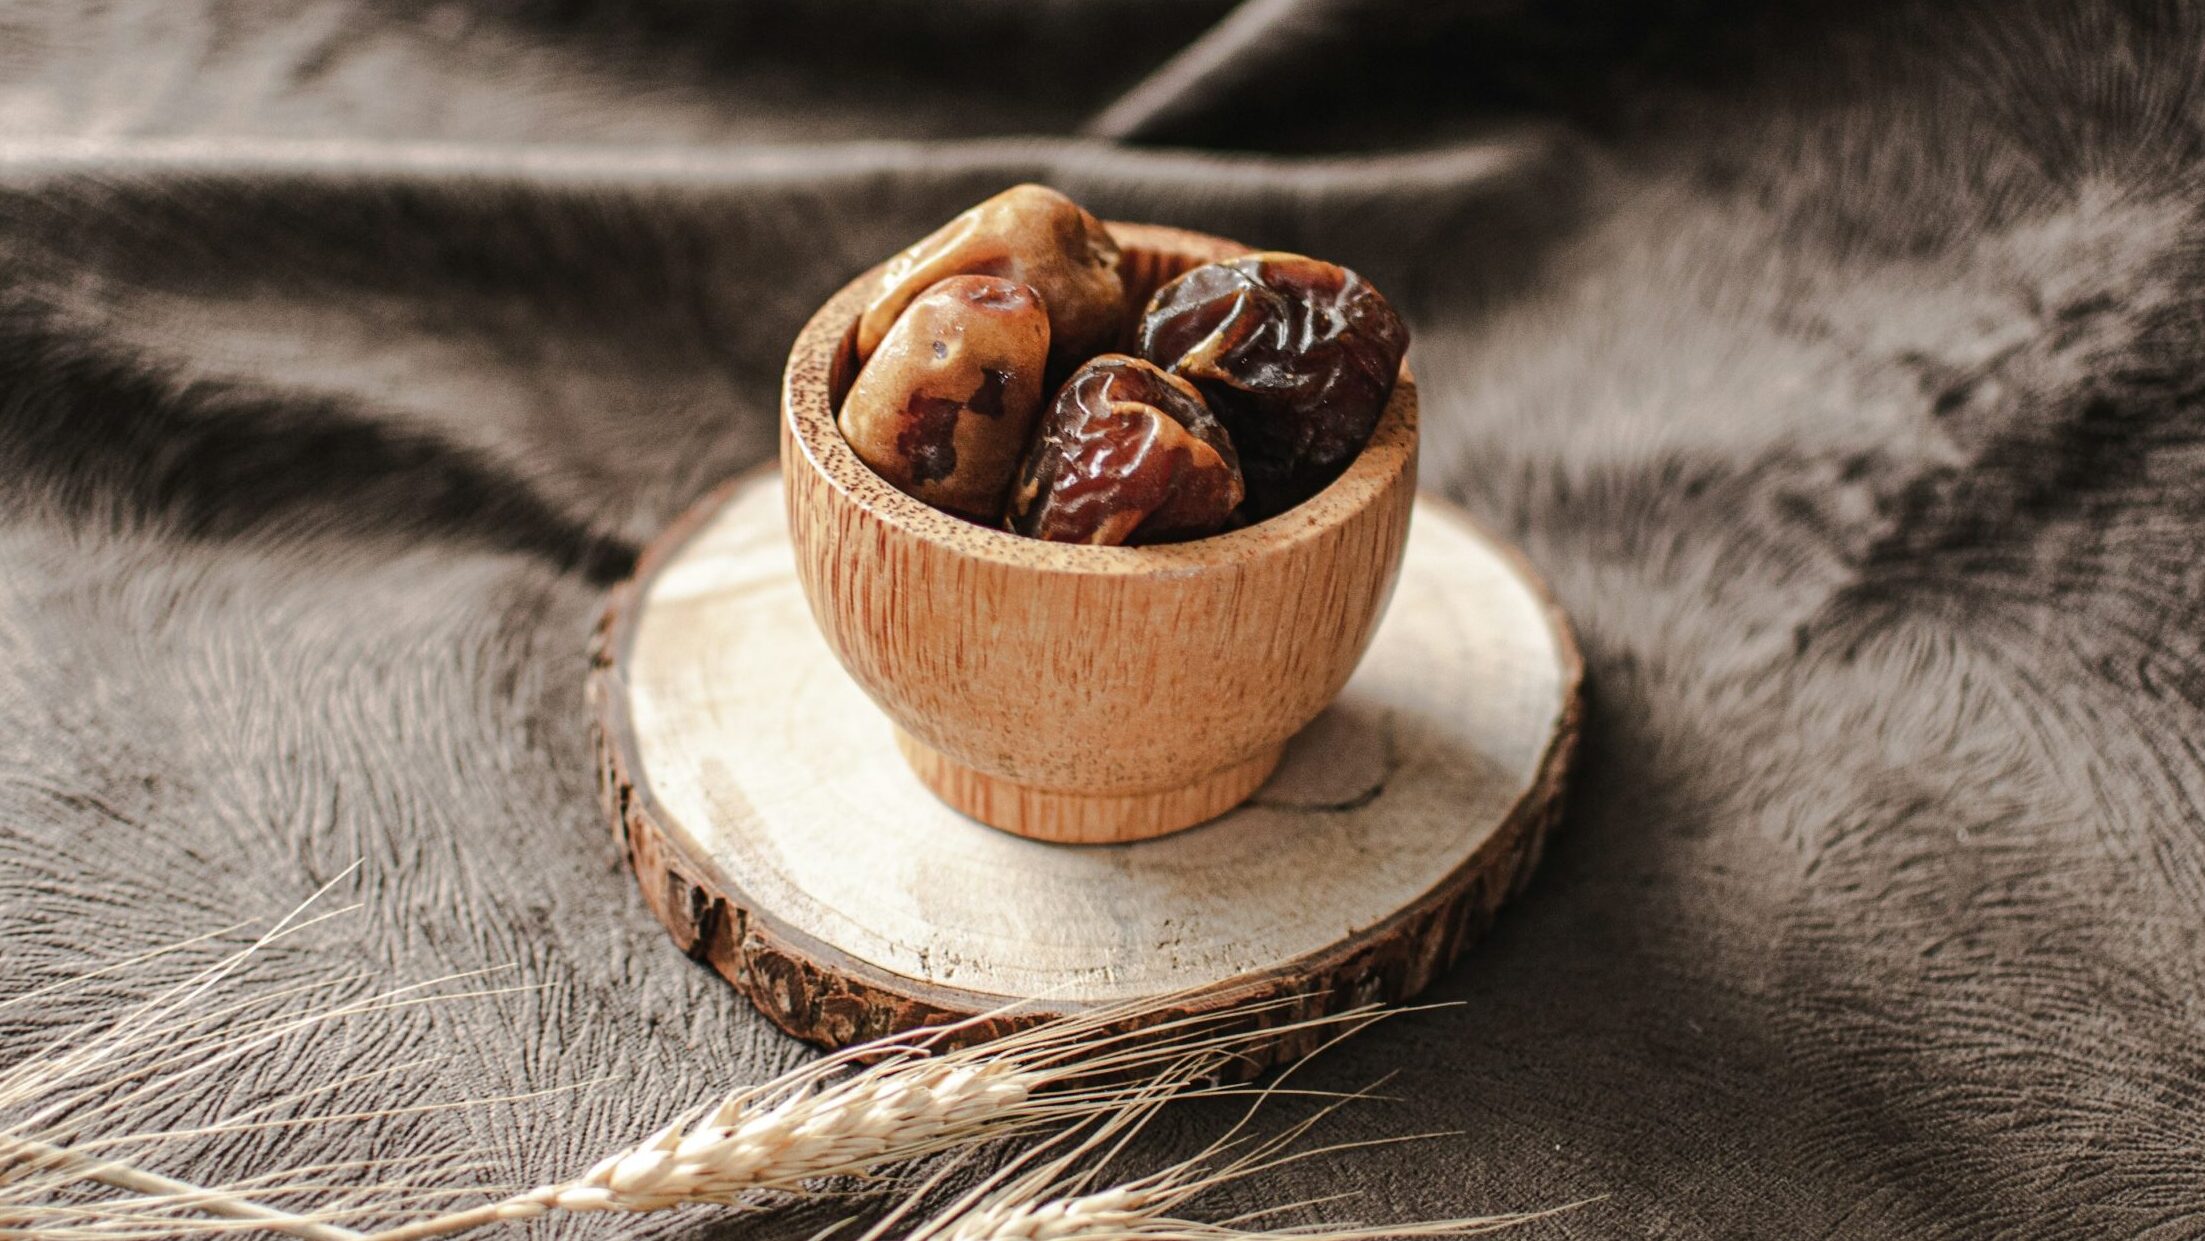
[(1841, 366)]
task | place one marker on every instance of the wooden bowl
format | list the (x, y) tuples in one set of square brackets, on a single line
[(1086, 694)]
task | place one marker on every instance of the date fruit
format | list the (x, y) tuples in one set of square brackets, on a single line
[(1296, 355), (1126, 454), (944, 406), (1028, 233)]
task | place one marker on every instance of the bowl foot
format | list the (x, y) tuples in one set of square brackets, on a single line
[(1081, 819)]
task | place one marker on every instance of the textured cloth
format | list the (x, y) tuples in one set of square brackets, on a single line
[(1842, 369)]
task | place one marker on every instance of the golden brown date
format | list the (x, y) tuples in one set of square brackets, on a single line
[(1297, 356), (944, 406), (1028, 233), (1126, 454)]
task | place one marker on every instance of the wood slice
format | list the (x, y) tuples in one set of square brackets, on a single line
[(779, 834)]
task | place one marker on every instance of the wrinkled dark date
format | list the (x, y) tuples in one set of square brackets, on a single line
[(1126, 454), (1297, 357), (944, 407), (1028, 233)]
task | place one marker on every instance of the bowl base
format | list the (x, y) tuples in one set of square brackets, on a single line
[(1077, 818)]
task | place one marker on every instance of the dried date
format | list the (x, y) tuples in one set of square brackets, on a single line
[(1028, 233), (944, 406), (1126, 454), (1297, 357)]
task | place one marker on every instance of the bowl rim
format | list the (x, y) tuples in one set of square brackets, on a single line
[(808, 423)]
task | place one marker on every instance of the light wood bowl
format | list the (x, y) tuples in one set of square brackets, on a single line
[(1086, 694)]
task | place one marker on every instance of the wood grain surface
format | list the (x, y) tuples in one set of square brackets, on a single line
[(778, 833)]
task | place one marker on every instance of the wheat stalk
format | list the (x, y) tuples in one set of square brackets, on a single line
[(20, 1155), (55, 1102), (1045, 1195), (902, 1098), (1098, 1073)]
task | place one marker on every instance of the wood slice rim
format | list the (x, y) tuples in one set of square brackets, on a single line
[(820, 993)]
